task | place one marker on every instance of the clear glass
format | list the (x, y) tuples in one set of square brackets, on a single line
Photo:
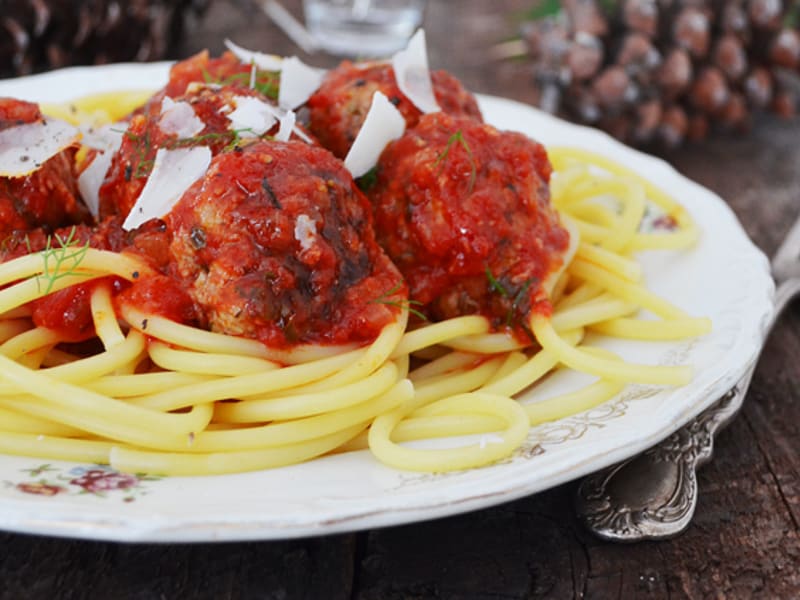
[(363, 28)]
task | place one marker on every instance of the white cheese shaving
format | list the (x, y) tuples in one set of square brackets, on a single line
[(92, 178), (287, 121), (252, 117), (412, 74), (179, 118), (298, 82), (106, 139), (383, 124), (302, 135), (103, 137), (253, 74), (174, 171), (25, 148), (305, 231), (265, 62)]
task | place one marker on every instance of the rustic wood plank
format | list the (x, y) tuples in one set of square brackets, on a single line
[(39, 567)]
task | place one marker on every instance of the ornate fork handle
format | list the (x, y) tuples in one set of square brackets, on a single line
[(653, 495)]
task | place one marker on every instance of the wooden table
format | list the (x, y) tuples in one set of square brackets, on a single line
[(742, 543)]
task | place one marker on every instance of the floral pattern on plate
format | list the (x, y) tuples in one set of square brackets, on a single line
[(99, 480)]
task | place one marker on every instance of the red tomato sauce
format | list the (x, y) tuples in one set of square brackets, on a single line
[(18, 112), (133, 162), (68, 312), (276, 243), (159, 295), (226, 70), (463, 211), (339, 107), (49, 196)]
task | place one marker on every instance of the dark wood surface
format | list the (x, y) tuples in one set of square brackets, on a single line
[(742, 543)]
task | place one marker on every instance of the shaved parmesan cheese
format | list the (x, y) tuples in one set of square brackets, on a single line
[(412, 74), (104, 137), (252, 116), (383, 124), (305, 230), (92, 178), (298, 82), (265, 62), (25, 148), (179, 118), (174, 171), (287, 121), (253, 74), (302, 135)]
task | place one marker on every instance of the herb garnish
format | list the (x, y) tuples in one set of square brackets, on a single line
[(67, 256), (271, 193), (234, 134), (495, 285), (368, 180), (516, 299), (265, 82), (458, 137), (143, 146), (385, 298)]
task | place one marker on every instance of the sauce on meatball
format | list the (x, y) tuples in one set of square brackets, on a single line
[(133, 161), (48, 197), (463, 210), (338, 108), (276, 243)]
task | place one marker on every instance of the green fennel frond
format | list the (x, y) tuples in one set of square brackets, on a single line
[(61, 260)]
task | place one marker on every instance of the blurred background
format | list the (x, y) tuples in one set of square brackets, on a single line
[(653, 73)]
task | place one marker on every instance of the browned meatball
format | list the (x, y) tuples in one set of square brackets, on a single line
[(338, 108), (133, 161), (463, 210), (49, 196), (276, 243)]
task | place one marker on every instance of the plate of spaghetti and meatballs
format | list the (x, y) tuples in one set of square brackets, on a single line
[(246, 298)]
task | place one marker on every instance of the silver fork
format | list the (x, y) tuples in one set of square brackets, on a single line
[(653, 495)]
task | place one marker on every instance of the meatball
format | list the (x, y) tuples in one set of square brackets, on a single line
[(226, 70), (464, 212), (276, 243), (47, 197), (339, 107), (133, 161), (201, 69)]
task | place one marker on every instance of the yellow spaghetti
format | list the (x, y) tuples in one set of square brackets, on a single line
[(162, 397)]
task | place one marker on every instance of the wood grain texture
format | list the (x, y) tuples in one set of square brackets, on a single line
[(742, 543)]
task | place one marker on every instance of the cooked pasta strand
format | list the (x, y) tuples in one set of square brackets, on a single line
[(609, 369)]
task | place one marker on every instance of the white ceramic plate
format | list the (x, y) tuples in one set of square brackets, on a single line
[(725, 277)]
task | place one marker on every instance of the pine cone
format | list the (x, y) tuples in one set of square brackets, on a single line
[(664, 71), (45, 34)]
